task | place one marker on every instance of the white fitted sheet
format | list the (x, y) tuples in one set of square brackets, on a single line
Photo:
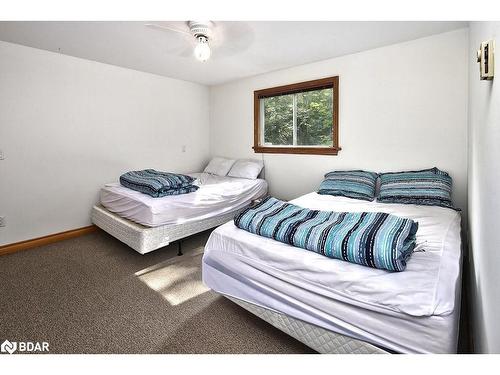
[(216, 196), (414, 311)]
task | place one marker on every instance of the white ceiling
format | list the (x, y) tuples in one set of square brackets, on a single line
[(239, 49)]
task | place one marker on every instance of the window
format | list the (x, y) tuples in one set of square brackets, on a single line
[(301, 118)]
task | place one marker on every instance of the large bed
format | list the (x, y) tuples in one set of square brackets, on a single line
[(338, 307), (146, 223)]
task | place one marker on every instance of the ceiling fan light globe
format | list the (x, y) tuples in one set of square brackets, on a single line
[(202, 51)]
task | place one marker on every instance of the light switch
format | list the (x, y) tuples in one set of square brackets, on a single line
[(1, 155)]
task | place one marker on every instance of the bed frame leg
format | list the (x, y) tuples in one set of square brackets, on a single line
[(179, 248)]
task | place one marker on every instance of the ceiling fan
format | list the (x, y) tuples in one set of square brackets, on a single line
[(199, 30)]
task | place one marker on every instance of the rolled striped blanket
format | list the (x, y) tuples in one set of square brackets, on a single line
[(373, 239), (158, 184)]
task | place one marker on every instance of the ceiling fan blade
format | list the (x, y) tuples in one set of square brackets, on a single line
[(155, 26), (189, 41), (231, 37)]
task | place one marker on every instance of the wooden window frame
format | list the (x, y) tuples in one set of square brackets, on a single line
[(317, 84)]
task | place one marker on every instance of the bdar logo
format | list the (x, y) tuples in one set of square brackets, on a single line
[(8, 347)]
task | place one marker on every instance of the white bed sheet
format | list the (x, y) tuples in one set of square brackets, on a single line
[(216, 195), (414, 311)]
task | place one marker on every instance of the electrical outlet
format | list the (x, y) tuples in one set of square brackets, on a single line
[(2, 221), (2, 156)]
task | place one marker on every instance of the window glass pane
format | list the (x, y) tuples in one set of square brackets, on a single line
[(278, 120), (314, 118)]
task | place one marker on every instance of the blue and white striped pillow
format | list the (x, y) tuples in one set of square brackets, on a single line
[(351, 184), (428, 187)]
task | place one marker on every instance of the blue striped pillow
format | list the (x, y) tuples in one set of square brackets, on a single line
[(428, 187), (351, 184)]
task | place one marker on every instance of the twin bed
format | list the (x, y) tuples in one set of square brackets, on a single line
[(146, 224), (331, 305)]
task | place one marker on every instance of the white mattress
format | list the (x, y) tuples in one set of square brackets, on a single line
[(414, 311), (216, 196)]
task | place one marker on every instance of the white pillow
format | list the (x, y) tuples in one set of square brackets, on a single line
[(246, 169), (219, 166)]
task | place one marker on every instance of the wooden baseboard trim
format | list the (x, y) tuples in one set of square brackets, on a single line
[(45, 240)]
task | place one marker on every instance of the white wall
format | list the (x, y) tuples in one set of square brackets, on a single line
[(68, 125), (484, 193), (401, 107)]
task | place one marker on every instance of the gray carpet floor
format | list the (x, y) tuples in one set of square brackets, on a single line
[(93, 294)]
